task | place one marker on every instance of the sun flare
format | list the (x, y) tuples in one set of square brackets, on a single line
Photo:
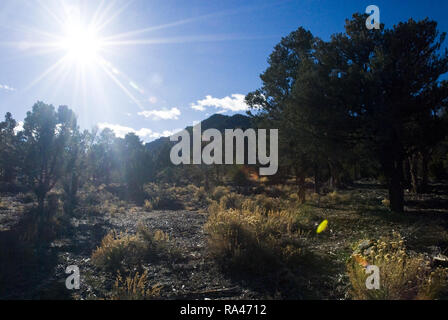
[(80, 34), (81, 43)]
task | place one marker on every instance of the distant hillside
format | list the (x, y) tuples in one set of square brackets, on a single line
[(217, 121)]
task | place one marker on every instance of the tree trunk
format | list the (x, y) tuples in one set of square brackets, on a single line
[(331, 185), (316, 179), (413, 162), (300, 180), (40, 203), (407, 174), (396, 192), (425, 171), (217, 173)]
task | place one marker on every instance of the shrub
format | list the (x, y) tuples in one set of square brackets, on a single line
[(263, 203), (231, 201), (118, 251), (403, 275), (239, 177), (121, 251), (163, 197), (134, 288), (26, 198), (4, 205), (336, 197), (148, 205), (201, 197), (220, 192), (254, 240)]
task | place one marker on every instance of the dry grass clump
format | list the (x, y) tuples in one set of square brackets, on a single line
[(148, 205), (220, 192), (118, 251), (403, 275), (91, 195), (200, 197), (134, 288), (336, 197), (26, 197), (4, 205), (122, 251), (231, 201), (169, 197), (264, 203), (254, 240)]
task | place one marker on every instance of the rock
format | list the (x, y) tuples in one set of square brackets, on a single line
[(440, 260), (364, 245)]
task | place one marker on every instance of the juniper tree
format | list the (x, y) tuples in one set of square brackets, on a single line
[(46, 135)]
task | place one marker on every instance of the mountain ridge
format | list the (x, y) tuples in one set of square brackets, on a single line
[(216, 121)]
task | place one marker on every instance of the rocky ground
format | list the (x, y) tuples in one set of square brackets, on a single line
[(195, 275)]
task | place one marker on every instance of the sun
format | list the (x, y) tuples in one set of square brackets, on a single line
[(80, 36), (81, 43)]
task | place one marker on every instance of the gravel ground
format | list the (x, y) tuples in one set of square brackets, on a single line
[(193, 277)]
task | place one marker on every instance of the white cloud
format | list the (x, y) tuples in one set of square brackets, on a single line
[(144, 133), (166, 133), (235, 103), (6, 87), (171, 114), (120, 131), (19, 127), (197, 107)]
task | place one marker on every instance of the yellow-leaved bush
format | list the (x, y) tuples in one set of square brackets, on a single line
[(404, 275)]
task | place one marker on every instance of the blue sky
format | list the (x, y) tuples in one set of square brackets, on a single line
[(190, 60)]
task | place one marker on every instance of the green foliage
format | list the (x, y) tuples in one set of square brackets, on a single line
[(46, 135), (383, 99), (9, 144)]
